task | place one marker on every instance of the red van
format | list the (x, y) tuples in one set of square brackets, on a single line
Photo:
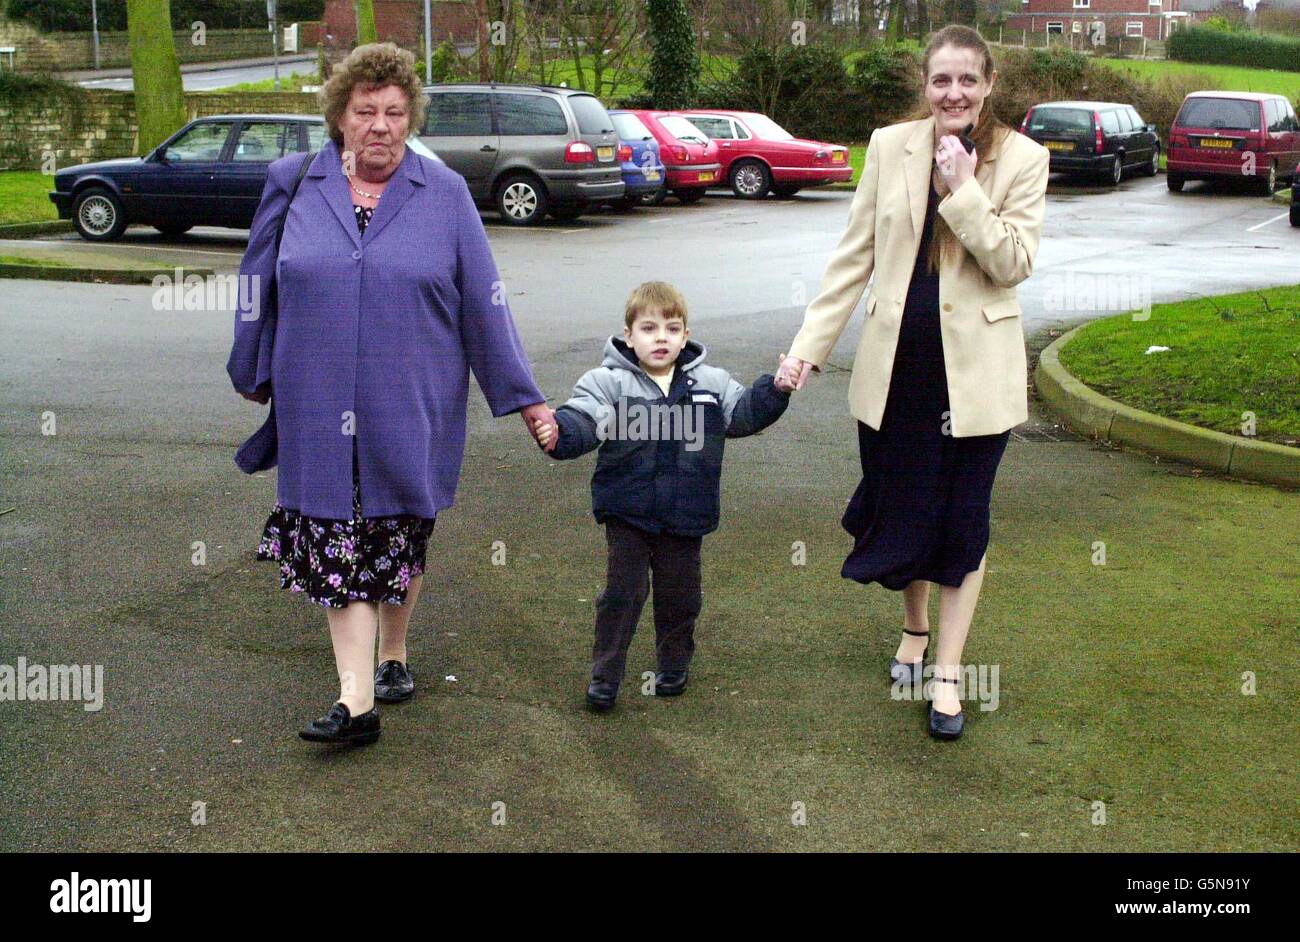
[(1233, 134)]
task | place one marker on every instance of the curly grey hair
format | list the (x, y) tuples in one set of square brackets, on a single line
[(374, 65)]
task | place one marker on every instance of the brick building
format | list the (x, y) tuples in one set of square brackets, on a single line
[(1150, 19), (399, 21)]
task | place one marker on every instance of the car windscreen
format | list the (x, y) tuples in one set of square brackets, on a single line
[(629, 127), (591, 114), (768, 129), (1060, 120), (682, 129), (1225, 114)]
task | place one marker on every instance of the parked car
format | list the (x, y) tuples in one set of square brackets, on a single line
[(1234, 134), (1295, 196), (638, 154), (690, 159), (1099, 139), (528, 150), (759, 156), (209, 173)]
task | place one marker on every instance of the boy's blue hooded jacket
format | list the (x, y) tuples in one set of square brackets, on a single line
[(660, 460)]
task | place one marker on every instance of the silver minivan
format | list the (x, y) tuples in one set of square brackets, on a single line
[(528, 150)]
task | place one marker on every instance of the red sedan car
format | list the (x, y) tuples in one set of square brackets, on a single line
[(759, 155), (690, 159)]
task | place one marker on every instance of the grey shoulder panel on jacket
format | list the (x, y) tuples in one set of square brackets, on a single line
[(712, 378)]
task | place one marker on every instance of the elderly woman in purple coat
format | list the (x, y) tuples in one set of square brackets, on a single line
[(382, 298)]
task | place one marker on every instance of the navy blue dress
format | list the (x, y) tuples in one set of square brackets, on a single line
[(921, 511)]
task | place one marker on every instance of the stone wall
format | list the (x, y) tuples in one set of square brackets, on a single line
[(79, 125), (42, 53)]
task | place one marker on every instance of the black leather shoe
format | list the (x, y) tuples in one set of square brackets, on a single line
[(340, 726), (900, 673), (601, 696), (943, 726), (670, 683), (393, 682)]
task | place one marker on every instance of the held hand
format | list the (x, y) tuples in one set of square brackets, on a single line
[(538, 418), (793, 373), (955, 165), (261, 395)]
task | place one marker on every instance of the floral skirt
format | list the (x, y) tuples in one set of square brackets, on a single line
[(365, 559)]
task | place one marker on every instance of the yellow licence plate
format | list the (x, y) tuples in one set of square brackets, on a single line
[(652, 174), (1217, 143), (1058, 145), (706, 176), (604, 153), (837, 157)]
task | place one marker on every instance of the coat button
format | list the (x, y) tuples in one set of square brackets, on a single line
[(962, 236), (947, 307), (357, 253)]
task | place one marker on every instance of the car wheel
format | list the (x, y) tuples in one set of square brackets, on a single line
[(1175, 182), (750, 179), (97, 215), (522, 200), (1116, 172), (1154, 167), (785, 190), (174, 228), (656, 198), (1268, 184), (1295, 215), (688, 197)]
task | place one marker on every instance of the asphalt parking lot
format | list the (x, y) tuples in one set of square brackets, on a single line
[(209, 670)]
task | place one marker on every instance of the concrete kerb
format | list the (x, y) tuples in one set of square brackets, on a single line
[(116, 276), (1091, 413)]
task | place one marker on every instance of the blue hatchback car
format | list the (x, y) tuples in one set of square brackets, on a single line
[(643, 173)]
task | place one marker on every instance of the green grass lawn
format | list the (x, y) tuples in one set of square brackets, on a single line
[(288, 83), (1228, 355), (23, 197), (1227, 77)]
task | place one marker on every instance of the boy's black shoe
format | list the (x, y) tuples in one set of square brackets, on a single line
[(393, 682), (601, 696), (340, 726), (670, 683)]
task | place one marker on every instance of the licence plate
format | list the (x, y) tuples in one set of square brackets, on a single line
[(837, 157), (1217, 143), (1058, 145), (652, 174), (706, 176), (605, 153)]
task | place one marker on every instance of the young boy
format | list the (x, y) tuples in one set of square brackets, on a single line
[(660, 418)]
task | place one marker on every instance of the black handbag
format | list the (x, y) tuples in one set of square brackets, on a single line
[(261, 451)]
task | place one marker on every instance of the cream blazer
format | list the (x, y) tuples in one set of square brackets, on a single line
[(997, 215)]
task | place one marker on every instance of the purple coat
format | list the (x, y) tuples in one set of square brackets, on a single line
[(384, 328)]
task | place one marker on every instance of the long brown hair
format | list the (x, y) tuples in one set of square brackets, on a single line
[(990, 132)]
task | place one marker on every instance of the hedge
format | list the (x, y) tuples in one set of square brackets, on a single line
[(1215, 46)]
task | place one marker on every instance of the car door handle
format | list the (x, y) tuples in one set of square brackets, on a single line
[(487, 148)]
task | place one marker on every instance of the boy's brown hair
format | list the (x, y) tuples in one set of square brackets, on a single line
[(656, 294)]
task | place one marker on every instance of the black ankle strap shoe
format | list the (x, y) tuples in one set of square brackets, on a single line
[(900, 673), (943, 726)]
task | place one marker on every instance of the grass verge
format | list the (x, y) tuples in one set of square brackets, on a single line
[(1228, 356)]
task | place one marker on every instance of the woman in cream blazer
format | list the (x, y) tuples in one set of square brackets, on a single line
[(941, 237)]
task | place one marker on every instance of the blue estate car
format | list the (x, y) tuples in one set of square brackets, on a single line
[(209, 173), (643, 172)]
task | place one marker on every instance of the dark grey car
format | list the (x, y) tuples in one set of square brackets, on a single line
[(1100, 139), (528, 150)]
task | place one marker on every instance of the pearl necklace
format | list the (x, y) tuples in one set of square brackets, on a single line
[(360, 192)]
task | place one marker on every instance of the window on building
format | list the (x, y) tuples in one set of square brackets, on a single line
[(1133, 28), (1055, 28)]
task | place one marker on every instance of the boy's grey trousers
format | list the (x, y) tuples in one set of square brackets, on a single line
[(633, 555)]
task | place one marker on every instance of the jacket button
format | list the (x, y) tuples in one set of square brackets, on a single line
[(962, 236), (357, 253), (947, 307)]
